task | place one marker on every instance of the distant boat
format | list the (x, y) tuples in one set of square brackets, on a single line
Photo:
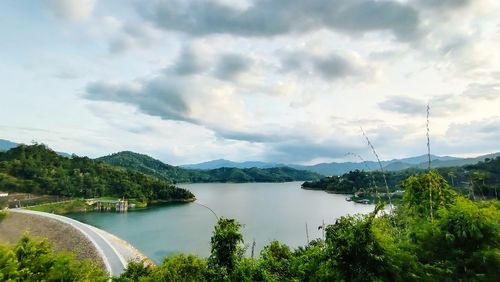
[(362, 201)]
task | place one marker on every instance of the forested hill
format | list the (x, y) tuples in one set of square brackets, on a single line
[(480, 180), (38, 169), (156, 168)]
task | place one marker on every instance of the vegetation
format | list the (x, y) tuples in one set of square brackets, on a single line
[(156, 168), (481, 180), (37, 169), (435, 234), (360, 181), (32, 260), (78, 205)]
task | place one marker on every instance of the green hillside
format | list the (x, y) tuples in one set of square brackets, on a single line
[(37, 169), (148, 165), (481, 180)]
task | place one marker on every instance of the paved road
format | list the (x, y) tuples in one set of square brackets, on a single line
[(113, 260)]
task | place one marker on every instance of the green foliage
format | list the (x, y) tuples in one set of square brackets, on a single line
[(157, 169), (39, 170), (3, 214), (275, 263), (485, 177), (352, 248), (181, 268), (463, 242), (460, 242), (481, 180), (425, 193), (226, 246), (135, 271), (360, 181), (63, 207), (31, 260)]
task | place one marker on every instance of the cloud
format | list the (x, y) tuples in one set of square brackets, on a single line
[(488, 91), (189, 62), (444, 4), (303, 150), (197, 59), (174, 98), (403, 105), (277, 17), (230, 66), (74, 10), (442, 105), (477, 136), (332, 66), (131, 34), (161, 97)]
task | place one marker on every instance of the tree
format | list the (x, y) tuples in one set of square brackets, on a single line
[(226, 247), (32, 260), (353, 250)]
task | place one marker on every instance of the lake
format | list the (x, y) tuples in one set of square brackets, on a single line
[(268, 211)]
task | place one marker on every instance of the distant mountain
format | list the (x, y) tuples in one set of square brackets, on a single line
[(225, 163), (7, 145), (459, 161), (158, 169), (339, 168)]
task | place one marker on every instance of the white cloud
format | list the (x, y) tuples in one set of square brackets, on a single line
[(73, 10)]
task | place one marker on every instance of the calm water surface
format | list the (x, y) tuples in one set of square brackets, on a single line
[(268, 211)]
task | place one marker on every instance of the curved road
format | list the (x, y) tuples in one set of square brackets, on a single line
[(113, 260)]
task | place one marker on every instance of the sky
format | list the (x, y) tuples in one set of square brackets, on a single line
[(290, 81)]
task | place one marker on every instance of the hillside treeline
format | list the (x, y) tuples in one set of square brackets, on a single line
[(39, 170)]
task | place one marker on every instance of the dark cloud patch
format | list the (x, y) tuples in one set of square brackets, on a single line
[(331, 67), (276, 17), (336, 66), (231, 65), (160, 97), (253, 137), (188, 63)]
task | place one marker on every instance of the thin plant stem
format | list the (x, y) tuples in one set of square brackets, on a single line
[(208, 209), (380, 165), (368, 169), (429, 159)]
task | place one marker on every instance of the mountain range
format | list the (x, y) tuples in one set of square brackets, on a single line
[(143, 164), (339, 168), (150, 166)]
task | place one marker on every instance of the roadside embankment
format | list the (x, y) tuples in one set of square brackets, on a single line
[(63, 236), (113, 252)]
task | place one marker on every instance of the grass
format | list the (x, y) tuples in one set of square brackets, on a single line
[(3, 214), (64, 207)]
